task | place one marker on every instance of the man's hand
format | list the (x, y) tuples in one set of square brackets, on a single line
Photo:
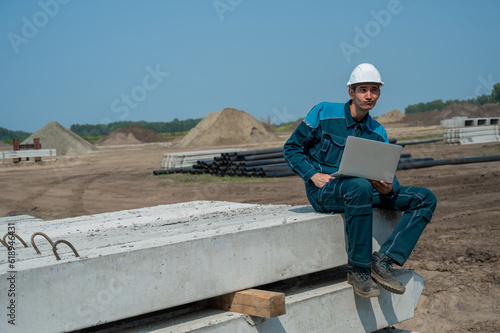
[(381, 186), (321, 179)]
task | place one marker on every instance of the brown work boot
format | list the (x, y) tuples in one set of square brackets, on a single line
[(362, 283), (383, 273)]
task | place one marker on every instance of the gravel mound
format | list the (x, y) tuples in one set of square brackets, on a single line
[(66, 142), (296, 123), (227, 127), (431, 118), (393, 116), (129, 136)]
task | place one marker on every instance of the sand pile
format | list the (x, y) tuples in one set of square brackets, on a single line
[(4, 145), (489, 110), (129, 136), (55, 136), (227, 127), (430, 118), (393, 116), (454, 110), (296, 123)]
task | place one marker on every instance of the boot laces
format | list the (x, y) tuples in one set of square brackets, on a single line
[(362, 272), (387, 264)]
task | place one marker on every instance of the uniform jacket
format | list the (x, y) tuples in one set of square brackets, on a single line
[(317, 144)]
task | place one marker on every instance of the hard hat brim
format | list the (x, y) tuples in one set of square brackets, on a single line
[(349, 84)]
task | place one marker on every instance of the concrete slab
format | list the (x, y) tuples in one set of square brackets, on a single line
[(471, 135), (143, 260), (187, 159), (393, 330), (329, 306), (27, 153), (464, 121)]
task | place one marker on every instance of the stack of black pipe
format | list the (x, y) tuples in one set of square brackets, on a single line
[(268, 162)]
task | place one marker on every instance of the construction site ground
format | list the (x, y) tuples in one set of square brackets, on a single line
[(458, 253)]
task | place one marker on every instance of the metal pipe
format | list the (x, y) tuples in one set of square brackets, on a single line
[(418, 142), (279, 173), (264, 167), (273, 168), (425, 164), (174, 170), (262, 162), (263, 156), (166, 171), (277, 165), (208, 161), (259, 151), (412, 160)]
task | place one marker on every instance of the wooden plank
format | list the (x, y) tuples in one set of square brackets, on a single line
[(253, 302)]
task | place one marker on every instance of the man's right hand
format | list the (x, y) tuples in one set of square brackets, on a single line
[(321, 179)]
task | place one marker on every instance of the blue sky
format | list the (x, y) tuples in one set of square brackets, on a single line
[(93, 62)]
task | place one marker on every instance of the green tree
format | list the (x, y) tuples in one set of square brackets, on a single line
[(173, 126), (495, 93), (483, 99), (438, 104), (8, 135)]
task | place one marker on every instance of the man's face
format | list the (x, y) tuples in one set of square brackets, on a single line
[(365, 96)]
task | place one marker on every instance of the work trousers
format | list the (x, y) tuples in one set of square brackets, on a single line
[(356, 198)]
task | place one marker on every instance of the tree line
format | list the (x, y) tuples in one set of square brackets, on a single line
[(173, 126), (8, 135), (438, 104)]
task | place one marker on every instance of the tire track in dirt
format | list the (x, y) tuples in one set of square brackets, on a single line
[(28, 204), (77, 184), (76, 200)]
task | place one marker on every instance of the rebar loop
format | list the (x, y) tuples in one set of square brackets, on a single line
[(54, 248), (41, 234), (15, 235)]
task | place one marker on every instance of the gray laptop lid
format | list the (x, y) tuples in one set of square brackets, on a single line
[(369, 159)]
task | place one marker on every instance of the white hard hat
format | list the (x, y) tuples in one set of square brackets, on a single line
[(365, 73)]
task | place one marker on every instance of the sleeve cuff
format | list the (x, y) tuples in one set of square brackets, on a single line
[(309, 174)]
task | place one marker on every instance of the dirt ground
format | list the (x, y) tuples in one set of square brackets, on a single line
[(458, 253)]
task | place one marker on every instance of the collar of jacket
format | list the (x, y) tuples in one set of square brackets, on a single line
[(349, 120)]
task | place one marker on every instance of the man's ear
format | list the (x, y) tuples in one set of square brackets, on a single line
[(350, 92)]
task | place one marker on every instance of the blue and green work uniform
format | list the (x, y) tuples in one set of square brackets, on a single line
[(317, 145)]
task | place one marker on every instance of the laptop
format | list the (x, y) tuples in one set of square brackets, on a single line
[(369, 159)]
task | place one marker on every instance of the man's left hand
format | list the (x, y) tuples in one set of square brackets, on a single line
[(381, 187)]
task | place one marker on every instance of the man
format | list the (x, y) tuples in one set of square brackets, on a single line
[(314, 151)]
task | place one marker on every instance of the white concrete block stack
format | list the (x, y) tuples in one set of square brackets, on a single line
[(464, 121), (28, 153), (139, 261), (470, 135)]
